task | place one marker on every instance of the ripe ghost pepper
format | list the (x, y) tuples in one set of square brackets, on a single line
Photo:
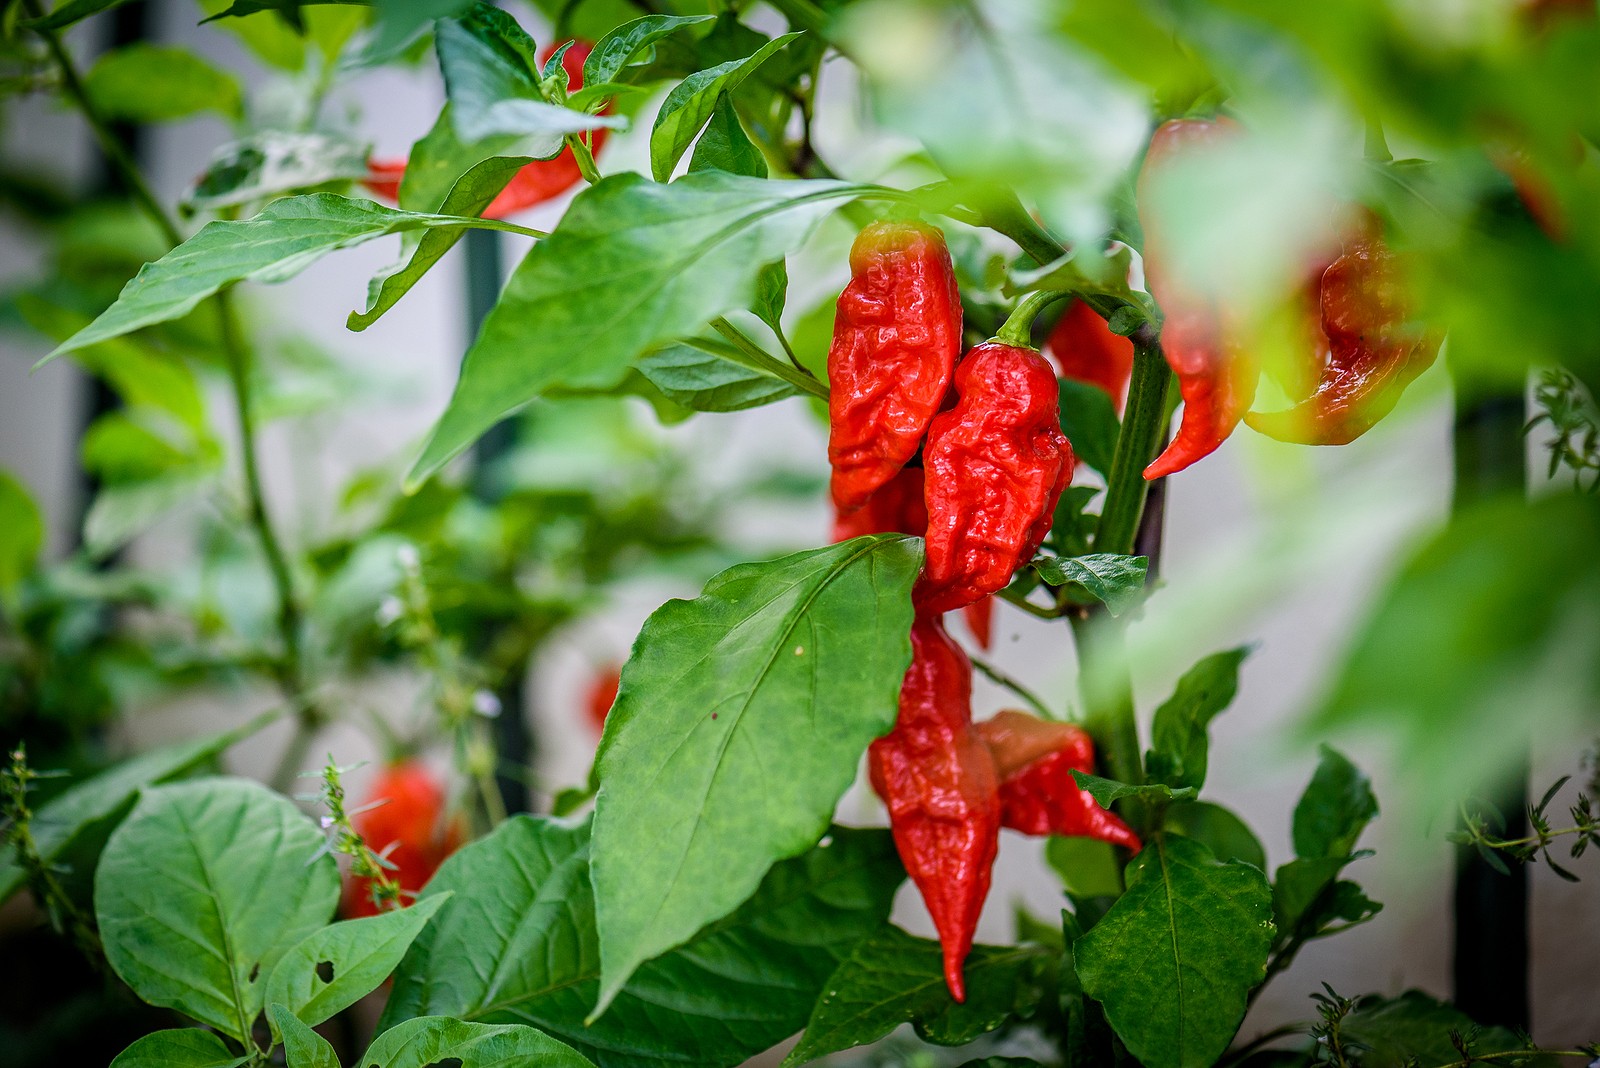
[(1084, 349), (896, 508), (1215, 375), (996, 463), (409, 829), (939, 782), (896, 336), (1038, 795)]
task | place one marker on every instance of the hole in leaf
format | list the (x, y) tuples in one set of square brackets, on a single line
[(325, 971), (448, 1062), (255, 971)]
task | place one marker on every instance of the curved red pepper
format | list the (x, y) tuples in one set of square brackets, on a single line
[(1215, 375), (896, 508), (939, 782), (1363, 350), (1084, 349), (1038, 795), (409, 825), (980, 621), (996, 464), (896, 335)]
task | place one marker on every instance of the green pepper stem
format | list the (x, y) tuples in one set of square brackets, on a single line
[(1143, 427), (1018, 328)]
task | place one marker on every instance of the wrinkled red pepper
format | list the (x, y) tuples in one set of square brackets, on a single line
[(539, 181), (409, 828), (896, 336), (896, 508), (1084, 349), (996, 464), (939, 782), (1038, 795)]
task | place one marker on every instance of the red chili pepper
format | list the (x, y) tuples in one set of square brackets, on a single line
[(939, 782), (1363, 350), (1084, 349), (412, 822), (980, 621), (896, 335), (1215, 376), (896, 508), (539, 181), (602, 695), (1038, 795), (996, 464)]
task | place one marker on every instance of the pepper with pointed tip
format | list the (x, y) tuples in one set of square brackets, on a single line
[(1038, 795)]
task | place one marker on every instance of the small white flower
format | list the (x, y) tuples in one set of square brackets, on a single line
[(389, 611), (407, 557), (486, 704)]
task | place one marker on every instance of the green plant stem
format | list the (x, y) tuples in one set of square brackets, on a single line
[(744, 351), (1239, 1053), (1018, 328), (1143, 427), (1005, 215), (1000, 678), (1022, 602)]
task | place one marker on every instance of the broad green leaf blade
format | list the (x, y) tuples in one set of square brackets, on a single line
[(1108, 792), (433, 1040), (632, 266), (471, 193), (1116, 581), (1219, 830), (274, 162), (88, 811), (893, 979), (1181, 744), (689, 105), (335, 967), (1336, 807), (439, 160), (794, 664), (302, 1047), (158, 83), (1089, 419), (200, 891), (517, 944), (1307, 897), (725, 146), (613, 51), (287, 237), (1087, 867), (1175, 958), (21, 536), (120, 513), (1416, 1029), (400, 20), (706, 382), (186, 1047), (772, 293)]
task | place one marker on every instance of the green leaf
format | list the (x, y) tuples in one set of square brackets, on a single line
[(706, 382), (1308, 898), (1416, 1029), (772, 292), (1087, 867), (420, 250), (633, 265), (302, 1047), (613, 51), (1336, 807), (335, 967), (120, 512), (725, 146), (200, 891), (1219, 830), (718, 693), (1117, 581), (88, 811), (893, 979), (691, 102), (426, 1042), (287, 237), (439, 160), (517, 944), (1089, 419), (1180, 733), (1108, 791), (73, 11), (186, 1047), (159, 83), (399, 20), (1174, 959), (273, 162), (21, 536)]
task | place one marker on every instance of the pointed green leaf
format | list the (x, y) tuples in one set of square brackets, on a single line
[(725, 146), (706, 382), (894, 979), (186, 1047), (158, 83), (1336, 807), (794, 664), (1179, 735), (200, 891), (1108, 792), (428, 1041), (1116, 581), (691, 102), (613, 51), (302, 1047), (1175, 958), (335, 967), (1219, 830), (633, 265)]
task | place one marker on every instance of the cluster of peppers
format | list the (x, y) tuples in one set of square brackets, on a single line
[(993, 462)]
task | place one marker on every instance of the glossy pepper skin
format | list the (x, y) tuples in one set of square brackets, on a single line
[(410, 825), (1216, 377), (996, 464), (537, 182), (1084, 349), (896, 508), (1361, 348), (939, 782), (1035, 759), (896, 336)]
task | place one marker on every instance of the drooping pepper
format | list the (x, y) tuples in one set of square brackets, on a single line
[(1084, 349), (1216, 376), (1035, 759), (409, 828), (980, 621), (896, 508), (938, 780), (896, 336), (996, 463), (1361, 347), (537, 182)]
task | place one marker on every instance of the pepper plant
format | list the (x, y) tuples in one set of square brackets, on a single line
[(1086, 218)]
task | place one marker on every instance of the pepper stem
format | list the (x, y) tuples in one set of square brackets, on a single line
[(1018, 328)]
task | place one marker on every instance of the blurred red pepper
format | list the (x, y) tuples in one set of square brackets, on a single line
[(897, 507), (409, 829), (539, 181), (1035, 759), (939, 782), (602, 695), (980, 621), (1084, 349)]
